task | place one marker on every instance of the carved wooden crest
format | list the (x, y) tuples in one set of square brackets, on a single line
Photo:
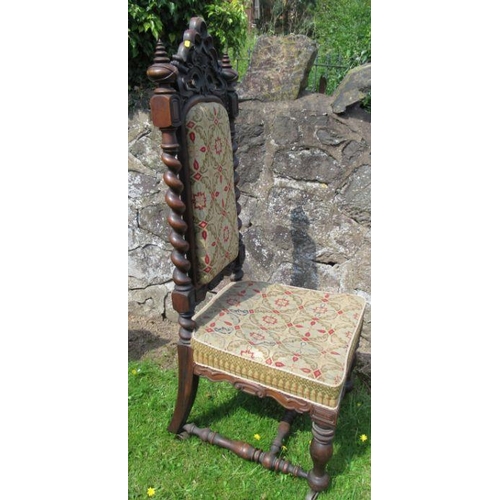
[(196, 68)]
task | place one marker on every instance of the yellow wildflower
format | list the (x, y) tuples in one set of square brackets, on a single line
[(363, 437), (283, 447), (151, 492), (257, 437), (134, 371)]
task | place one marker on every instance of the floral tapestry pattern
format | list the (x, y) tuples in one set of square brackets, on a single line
[(212, 186), (291, 339)]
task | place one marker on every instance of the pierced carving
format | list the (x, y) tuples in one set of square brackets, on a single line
[(200, 71)]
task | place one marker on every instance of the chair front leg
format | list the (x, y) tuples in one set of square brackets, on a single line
[(321, 450)]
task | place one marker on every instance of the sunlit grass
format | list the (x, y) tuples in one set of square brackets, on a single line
[(192, 469)]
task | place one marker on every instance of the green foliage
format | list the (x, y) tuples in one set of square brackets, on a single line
[(342, 29), (240, 60), (229, 23), (149, 20)]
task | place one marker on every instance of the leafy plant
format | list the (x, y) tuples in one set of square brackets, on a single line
[(149, 20), (229, 24)]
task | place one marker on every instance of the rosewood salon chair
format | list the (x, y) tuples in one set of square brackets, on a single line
[(267, 339)]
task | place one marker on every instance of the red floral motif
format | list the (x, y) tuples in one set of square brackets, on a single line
[(270, 320), (247, 353), (218, 145), (192, 136), (257, 336), (225, 234), (191, 124), (317, 373), (320, 309), (281, 302), (199, 200)]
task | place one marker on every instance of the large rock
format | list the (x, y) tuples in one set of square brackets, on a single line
[(279, 68), (353, 88)]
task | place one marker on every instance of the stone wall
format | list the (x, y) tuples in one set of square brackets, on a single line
[(305, 183)]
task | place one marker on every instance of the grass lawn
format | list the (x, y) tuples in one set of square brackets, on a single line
[(192, 469)]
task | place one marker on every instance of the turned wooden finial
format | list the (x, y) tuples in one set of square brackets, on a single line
[(228, 72), (161, 72)]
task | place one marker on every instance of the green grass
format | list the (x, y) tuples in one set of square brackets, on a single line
[(192, 469)]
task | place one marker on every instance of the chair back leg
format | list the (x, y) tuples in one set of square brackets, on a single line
[(186, 393)]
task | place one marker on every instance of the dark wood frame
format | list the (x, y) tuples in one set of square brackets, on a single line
[(195, 74)]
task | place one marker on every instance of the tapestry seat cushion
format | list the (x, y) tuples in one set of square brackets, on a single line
[(294, 340)]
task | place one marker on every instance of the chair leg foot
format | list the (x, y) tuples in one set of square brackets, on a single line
[(312, 495), (183, 436)]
